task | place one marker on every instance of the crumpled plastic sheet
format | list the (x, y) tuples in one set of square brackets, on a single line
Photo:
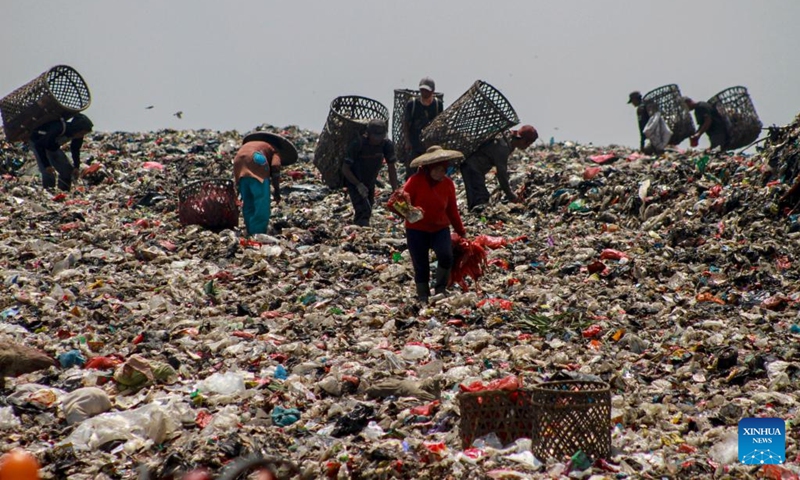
[(672, 264)]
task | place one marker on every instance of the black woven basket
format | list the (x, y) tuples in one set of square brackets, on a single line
[(478, 115), (348, 118), (401, 98), (742, 122), (669, 102), (508, 414), (571, 415), (209, 203), (56, 93)]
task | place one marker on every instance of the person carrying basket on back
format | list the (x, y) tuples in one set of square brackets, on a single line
[(494, 153), (46, 142), (362, 164), (419, 113)]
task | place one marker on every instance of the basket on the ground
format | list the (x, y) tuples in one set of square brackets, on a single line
[(348, 118), (478, 115), (571, 415), (209, 203), (669, 102), (509, 414), (742, 122), (56, 93), (401, 98)]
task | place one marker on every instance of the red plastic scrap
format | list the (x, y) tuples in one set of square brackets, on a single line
[(591, 172), (241, 334), (102, 363), (69, 226), (611, 254), (496, 302), (592, 331), (776, 472), (203, 418), (510, 384), (490, 241), (602, 158), (500, 263), (596, 267), (426, 410), (153, 166)]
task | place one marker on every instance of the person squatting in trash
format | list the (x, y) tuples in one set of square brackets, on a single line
[(435, 194), (494, 153), (46, 142), (363, 163), (710, 122), (256, 166), (418, 113)]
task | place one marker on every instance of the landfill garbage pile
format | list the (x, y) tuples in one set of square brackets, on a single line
[(673, 279)]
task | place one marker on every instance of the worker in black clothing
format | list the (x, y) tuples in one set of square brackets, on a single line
[(710, 122), (419, 112), (494, 153), (643, 112), (46, 142), (362, 164)]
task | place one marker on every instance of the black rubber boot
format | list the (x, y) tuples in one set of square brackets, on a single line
[(442, 279), (423, 292)]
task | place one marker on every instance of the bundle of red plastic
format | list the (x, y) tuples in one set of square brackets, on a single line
[(469, 260), (510, 383)]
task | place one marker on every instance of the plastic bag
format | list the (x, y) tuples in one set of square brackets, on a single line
[(400, 203), (657, 132), (510, 384)]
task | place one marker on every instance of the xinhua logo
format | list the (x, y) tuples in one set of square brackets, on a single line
[(762, 441)]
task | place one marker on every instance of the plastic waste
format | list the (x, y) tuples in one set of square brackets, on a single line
[(283, 417), (73, 358), (228, 383)]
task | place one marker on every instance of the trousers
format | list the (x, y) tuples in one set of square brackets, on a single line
[(256, 203)]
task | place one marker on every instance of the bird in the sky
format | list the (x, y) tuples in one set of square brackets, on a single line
[(149, 107), (178, 114)]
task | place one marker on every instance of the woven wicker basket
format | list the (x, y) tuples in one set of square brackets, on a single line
[(507, 414), (56, 93), (209, 203), (347, 119), (669, 102), (742, 122), (570, 416), (478, 115), (401, 98)]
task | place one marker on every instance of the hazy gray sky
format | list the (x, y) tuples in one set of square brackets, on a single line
[(566, 66)]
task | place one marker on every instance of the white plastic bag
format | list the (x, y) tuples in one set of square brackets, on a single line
[(657, 131)]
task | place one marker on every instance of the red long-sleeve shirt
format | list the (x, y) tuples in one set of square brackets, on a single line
[(438, 202)]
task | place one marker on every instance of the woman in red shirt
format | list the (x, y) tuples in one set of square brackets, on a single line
[(435, 194)]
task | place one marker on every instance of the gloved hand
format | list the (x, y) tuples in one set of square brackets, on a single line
[(50, 170), (363, 190)]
